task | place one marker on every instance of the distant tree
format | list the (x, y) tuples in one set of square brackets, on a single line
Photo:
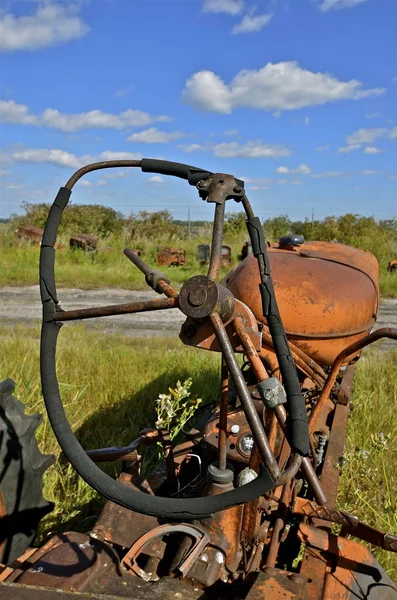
[(77, 218), (152, 225)]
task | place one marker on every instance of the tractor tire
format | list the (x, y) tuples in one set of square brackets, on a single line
[(22, 466)]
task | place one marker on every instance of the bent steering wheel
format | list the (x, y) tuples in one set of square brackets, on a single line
[(200, 298)]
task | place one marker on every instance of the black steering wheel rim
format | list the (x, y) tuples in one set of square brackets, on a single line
[(161, 507)]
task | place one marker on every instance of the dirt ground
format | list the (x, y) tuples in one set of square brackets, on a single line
[(22, 305)]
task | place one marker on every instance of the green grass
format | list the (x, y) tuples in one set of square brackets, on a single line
[(110, 268), (369, 468), (109, 385), (106, 268)]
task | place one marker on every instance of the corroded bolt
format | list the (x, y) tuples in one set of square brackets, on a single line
[(198, 296)]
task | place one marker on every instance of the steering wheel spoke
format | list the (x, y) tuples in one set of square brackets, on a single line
[(114, 310)]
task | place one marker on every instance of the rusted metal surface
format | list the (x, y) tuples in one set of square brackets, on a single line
[(30, 233), (167, 257), (115, 309), (222, 424), (279, 525), (157, 280), (200, 540), (351, 524), (112, 589), (201, 295), (127, 453), (71, 565), (203, 254), (84, 241), (356, 574), (342, 357), (317, 295), (226, 253), (274, 584), (202, 335), (118, 525), (216, 244)]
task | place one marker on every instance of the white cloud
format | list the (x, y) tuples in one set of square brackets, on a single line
[(393, 132), (372, 115), (51, 24), (83, 183), (287, 182), (192, 147), (370, 172), (230, 7), (61, 158), (231, 132), (306, 121), (337, 4), (366, 136), (326, 174), (153, 136), (156, 179), (123, 92), (372, 150), (302, 169), (102, 182), (280, 86), (350, 148), (251, 23), (251, 149), (323, 148), (393, 177), (11, 112)]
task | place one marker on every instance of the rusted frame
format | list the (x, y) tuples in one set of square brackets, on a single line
[(279, 411), (342, 357), (114, 310)]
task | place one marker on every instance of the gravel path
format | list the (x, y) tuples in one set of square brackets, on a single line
[(22, 305)]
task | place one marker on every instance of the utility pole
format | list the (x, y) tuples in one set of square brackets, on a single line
[(188, 223), (312, 221)]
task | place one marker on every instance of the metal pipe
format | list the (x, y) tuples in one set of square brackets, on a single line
[(388, 332), (306, 466), (245, 397), (279, 411), (108, 164), (162, 284), (115, 309), (216, 245), (222, 435), (278, 526)]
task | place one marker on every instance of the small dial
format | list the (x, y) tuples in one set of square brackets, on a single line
[(246, 443)]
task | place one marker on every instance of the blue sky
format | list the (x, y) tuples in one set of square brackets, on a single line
[(297, 97)]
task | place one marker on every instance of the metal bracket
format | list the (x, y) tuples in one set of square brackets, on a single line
[(200, 540), (220, 187)]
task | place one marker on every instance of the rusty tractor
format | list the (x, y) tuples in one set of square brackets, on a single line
[(84, 241), (171, 257), (33, 234), (245, 506), (204, 255)]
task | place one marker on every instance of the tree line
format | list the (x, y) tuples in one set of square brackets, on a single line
[(378, 237)]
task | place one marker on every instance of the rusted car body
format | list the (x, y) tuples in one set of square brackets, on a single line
[(30, 233), (203, 254), (171, 257), (244, 506), (84, 241)]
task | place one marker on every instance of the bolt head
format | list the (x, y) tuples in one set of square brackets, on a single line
[(235, 429)]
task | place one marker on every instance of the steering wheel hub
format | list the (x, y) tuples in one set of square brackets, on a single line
[(201, 296)]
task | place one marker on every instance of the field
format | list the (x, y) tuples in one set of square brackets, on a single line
[(109, 387), (110, 268)]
